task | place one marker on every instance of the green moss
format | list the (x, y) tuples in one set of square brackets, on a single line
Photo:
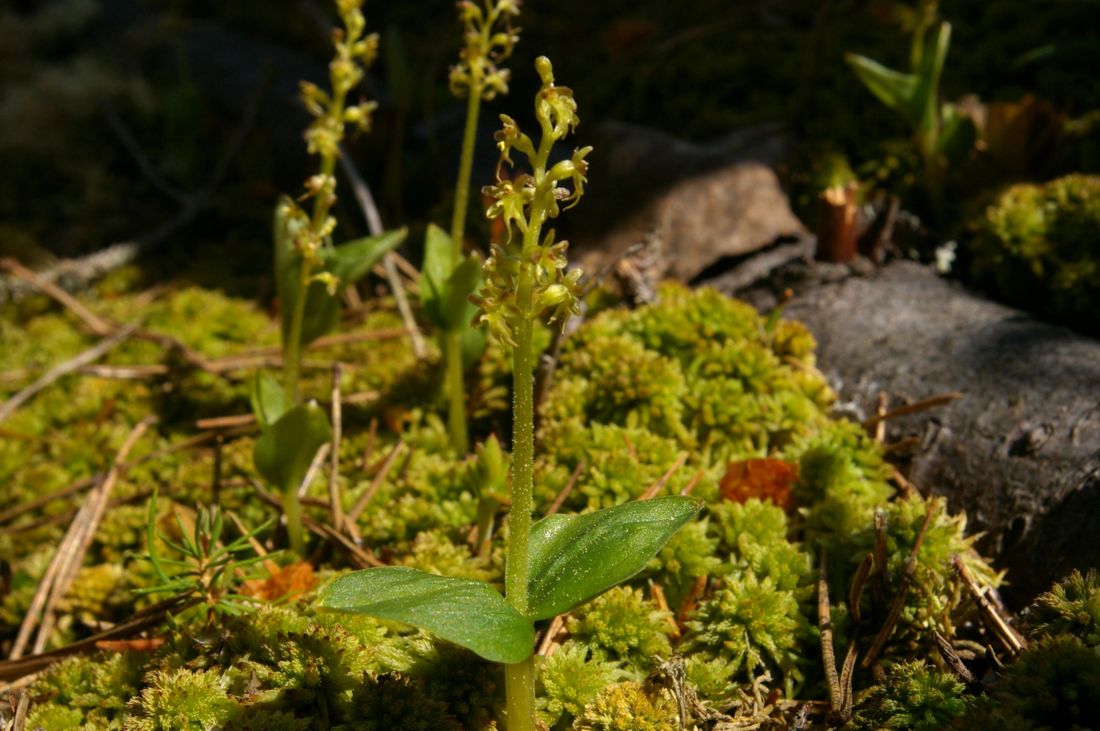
[(570, 679), (712, 677), (842, 480), (630, 706), (754, 534), (689, 555), (912, 696), (52, 717), (181, 699), (95, 686), (751, 623), (1039, 246), (623, 625), (395, 703), (1071, 607), (1053, 685)]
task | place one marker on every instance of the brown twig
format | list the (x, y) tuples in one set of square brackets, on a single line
[(72, 560), (917, 406), (859, 580), (334, 496), (907, 488), (545, 648), (656, 487), (880, 413), (368, 447), (314, 468), (11, 670), (564, 493), (828, 654), (658, 593), (63, 369), (359, 557), (688, 604), (951, 657), (899, 599), (19, 722), (96, 325), (693, 482), (1012, 640), (376, 483)]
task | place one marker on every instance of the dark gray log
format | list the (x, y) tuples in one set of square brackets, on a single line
[(1020, 453)]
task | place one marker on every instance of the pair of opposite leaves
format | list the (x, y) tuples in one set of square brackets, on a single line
[(573, 558)]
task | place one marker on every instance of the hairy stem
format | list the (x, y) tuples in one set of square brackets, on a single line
[(519, 685), (454, 384)]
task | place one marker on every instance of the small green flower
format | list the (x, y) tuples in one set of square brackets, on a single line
[(525, 202)]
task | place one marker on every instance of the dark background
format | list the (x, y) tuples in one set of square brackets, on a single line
[(83, 83)]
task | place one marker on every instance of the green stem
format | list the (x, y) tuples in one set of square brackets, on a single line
[(465, 166), (292, 346), (292, 509), (454, 385), (519, 685), (523, 451)]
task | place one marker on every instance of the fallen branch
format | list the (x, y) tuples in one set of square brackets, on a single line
[(71, 561), (11, 670), (96, 325), (1012, 640)]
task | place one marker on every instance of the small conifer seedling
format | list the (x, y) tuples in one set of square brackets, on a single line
[(562, 561)]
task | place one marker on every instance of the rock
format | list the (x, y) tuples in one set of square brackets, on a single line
[(691, 205), (1020, 453)]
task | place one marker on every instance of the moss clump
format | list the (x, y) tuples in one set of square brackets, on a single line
[(696, 373), (1071, 607), (753, 535), (1054, 684), (753, 624), (1039, 246), (912, 696), (630, 706), (570, 679), (182, 699), (623, 625)]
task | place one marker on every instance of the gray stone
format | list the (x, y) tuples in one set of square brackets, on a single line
[(691, 205), (1020, 453)]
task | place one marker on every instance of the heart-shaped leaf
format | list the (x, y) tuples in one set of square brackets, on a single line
[(893, 88), (466, 612), (269, 401), (351, 261), (348, 262), (574, 558), (286, 447), (447, 282), (458, 311)]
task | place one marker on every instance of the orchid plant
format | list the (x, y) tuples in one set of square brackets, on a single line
[(310, 270), (562, 561), (449, 275)]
